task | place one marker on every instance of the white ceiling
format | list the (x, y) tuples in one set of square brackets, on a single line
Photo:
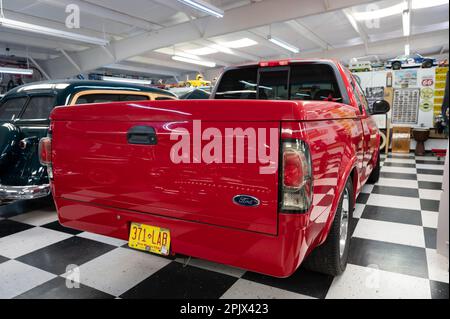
[(137, 28)]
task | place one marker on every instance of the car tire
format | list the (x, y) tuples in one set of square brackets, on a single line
[(396, 66), (375, 175), (331, 257), (427, 64)]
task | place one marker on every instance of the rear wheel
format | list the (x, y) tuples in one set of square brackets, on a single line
[(375, 175), (331, 257), (396, 66)]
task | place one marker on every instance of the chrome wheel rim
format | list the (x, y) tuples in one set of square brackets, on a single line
[(343, 229)]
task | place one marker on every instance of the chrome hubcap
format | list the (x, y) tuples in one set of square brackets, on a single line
[(343, 231)]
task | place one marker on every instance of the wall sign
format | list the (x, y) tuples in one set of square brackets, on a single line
[(405, 107), (441, 76), (426, 105), (405, 78), (427, 81)]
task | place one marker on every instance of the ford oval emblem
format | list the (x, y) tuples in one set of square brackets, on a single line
[(246, 200)]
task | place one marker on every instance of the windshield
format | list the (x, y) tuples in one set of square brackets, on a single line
[(305, 81)]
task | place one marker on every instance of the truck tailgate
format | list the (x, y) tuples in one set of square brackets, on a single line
[(94, 162)]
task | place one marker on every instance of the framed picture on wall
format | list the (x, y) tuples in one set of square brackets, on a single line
[(373, 94), (405, 108)]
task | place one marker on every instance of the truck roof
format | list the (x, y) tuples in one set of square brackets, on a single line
[(66, 87)]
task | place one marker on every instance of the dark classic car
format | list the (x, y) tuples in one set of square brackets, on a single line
[(24, 120)]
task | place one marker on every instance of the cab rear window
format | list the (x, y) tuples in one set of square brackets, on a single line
[(303, 81), (239, 84), (316, 82)]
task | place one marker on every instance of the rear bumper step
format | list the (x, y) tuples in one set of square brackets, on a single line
[(24, 192), (277, 256)]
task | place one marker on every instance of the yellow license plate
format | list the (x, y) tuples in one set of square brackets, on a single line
[(149, 238)]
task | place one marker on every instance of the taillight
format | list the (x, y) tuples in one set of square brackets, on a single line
[(45, 154), (296, 183)]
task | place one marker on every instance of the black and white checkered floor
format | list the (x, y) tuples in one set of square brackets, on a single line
[(393, 254)]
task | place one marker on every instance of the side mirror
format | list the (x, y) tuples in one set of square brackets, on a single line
[(380, 107)]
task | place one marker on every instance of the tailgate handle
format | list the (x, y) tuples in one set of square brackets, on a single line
[(141, 134)]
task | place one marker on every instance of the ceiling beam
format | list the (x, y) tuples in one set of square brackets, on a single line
[(23, 40), (262, 13), (165, 63), (383, 49), (358, 28), (144, 70), (308, 34), (262, 39), (69, 58), (106, 13), (24, 53), (39, 68)]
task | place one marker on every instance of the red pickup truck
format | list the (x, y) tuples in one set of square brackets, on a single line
[(262, 176)]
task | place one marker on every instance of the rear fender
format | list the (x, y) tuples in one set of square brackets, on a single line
[(346, 172)]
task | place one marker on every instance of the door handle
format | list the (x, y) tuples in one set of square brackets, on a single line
[(142, 135)]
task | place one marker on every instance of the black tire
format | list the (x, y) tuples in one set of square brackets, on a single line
[(396, 66), (327, 258), (427, 64), (375, 175)]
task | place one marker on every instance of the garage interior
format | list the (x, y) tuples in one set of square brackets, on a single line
[(399, 247)]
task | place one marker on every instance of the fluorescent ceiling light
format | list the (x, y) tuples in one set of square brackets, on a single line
[(284, 45), (204, 7), (192, 61), (224, 47), (420, 4), (202, 51), (172, 51), (241, 43), (125, 80), (406, 19), (407, 49), (186, 55), (16, 71), (211, 49), (28, 27), (221, 48)]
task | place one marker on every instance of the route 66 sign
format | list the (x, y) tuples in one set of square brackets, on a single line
[(427, 81)]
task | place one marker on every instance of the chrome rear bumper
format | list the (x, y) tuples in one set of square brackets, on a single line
[(24, 192)]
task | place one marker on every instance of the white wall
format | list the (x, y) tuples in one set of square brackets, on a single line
[(378, 78)]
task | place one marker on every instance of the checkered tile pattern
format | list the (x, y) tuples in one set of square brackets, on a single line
[(393, 254)]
